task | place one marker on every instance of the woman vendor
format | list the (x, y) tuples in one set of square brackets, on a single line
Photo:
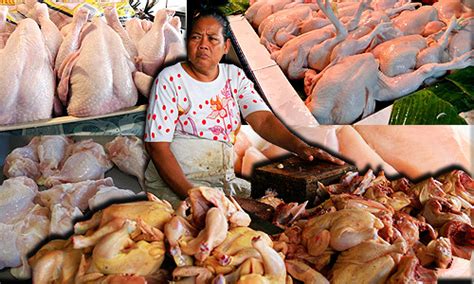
[(194, 115)]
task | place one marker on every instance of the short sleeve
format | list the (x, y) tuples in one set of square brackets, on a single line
[(162, 112), (247, 97)]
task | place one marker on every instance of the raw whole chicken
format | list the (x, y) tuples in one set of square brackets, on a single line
[(56, 261), (414, 22), (461, 42), (29, 51), (175, 46), (283, 25), (84, 160), (406, 53), (151, 47), (333, 103), (202, 198), (95, 69), (340, 230), (260, 10), (449, 8), (129, 155), (369, 262)]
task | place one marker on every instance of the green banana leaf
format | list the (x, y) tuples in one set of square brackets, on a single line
[(235, 7), (464, 79), (438, 104), (424, 107), (450, 92)]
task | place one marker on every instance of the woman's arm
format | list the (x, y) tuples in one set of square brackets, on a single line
[(267, 125), (168, 167)]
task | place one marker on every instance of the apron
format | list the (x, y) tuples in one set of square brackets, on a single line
[(204, 163)]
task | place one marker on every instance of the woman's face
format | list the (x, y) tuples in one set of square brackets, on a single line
[(206, 44)]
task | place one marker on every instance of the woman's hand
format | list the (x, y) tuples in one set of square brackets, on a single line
[(272, 130), (309, 153)]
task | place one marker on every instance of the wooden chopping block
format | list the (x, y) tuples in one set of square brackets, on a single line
[(296, 180)]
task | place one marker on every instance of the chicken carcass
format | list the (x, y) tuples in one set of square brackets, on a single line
[(406, 53), (437, 252), (152, 46), (29, 51), (84, 160), (458, 183), (175, 49), (23, 161), (155, 213), (438, 211), (333, 103), (461, 42), (293, 56), (340, 230), (56, 261), (319, 55), (260, 10), (410, 228), (282, 26), (202, 198), (274, 266), (409, 270), (129, 155), (449, 8), (120, 253), (177, 231), (369, 262), (414, 22), (210, 237), (95, 69), (461, 236)]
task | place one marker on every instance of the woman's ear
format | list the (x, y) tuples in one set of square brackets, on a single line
[(226, 46)]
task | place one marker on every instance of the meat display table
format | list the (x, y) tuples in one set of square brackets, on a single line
[(129, 121)]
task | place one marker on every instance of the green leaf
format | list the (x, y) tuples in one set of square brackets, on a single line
[(235, 7), (464, 80), (450, 92), (424, 107)]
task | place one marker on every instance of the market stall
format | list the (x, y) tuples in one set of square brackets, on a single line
[(43, 184), (76, 91), (348, 60)]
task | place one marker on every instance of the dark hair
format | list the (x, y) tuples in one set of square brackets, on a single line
[(215, 13)]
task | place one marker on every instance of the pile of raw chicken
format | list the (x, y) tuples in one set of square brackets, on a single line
[(379, 49), (128, 242), (51, 182), (373, 230), (88, 66)]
